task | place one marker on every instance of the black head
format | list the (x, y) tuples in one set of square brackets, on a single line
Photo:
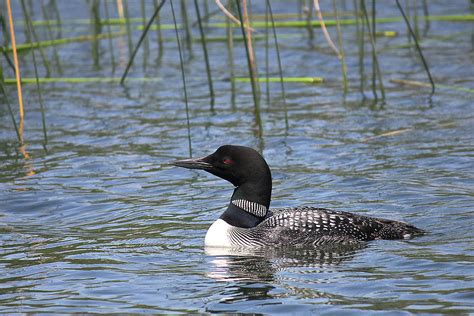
[(242, 166)]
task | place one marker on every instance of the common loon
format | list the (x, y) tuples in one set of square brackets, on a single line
[(248, 222)]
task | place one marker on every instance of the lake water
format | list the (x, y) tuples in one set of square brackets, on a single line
[(96, 220)]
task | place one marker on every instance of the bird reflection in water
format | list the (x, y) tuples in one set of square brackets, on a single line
[(237, 264)]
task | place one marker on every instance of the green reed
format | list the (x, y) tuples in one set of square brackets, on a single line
[(373, 39), (183, 77), (96, 27), (10, 111), (267, 56), (142, 37), (29, 30), (262, 24), (426, 15), (49, 32), (309, 18), (375, 62), (159, 34), (230, 57), (206, 56), (360, 35), (146, 43), (415, 19), (341, 50), (59, 41), (109, 33), (280, 68), (6, 42), (80, 80), (187, 25), (365, 25), (128, 27), (418, 48)]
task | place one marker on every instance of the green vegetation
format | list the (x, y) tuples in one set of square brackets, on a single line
[(111, 21)]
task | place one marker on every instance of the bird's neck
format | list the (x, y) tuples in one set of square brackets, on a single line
[(248, 206)]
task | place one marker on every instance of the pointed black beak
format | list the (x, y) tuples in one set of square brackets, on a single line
[(193, 163)]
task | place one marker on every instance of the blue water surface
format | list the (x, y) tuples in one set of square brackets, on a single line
[(96, 220)]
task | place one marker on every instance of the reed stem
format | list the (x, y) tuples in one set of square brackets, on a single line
[(341, 50), (374, 39), (360, 31), (308, 80), (267, 57), (248, 31), (79, 80), (57, 16), (10, 111), (29, 29), (59, 41), (33, 36), (374, 54), (15, 61), (109, 33), (262, 24), (146, 44), (49, 31), (206, 55), (418, 48), (427, 85), (309, 17), (142, 37), (5, 43), (159, 34), (95, 30), (426, 16), (415, 19), (230, 57), (183, 77), (252, 74), (280, 68), (124, 6), (187, 26), (324, 29)]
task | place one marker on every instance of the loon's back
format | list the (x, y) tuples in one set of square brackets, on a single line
[(305, 225)]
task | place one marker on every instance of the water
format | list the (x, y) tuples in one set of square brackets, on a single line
[(99, 222)]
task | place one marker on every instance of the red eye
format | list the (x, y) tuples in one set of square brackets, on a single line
[(227, 161)]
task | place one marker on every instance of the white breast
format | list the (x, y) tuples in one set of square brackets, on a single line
[(218, 234)]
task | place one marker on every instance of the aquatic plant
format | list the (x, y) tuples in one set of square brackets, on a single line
[(46, 33)]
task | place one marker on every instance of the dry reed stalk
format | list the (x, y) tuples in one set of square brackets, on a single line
[(324, 29), (391, 133), (252, 74), (246, 22), (120, 9), (342, 54), (230, 16), (17, 67)]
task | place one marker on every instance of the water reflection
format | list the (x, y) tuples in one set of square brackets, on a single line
[(228, 264)]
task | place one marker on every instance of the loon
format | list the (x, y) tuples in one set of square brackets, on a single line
[(248, 222)]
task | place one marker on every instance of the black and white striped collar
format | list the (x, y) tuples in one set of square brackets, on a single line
[(253, 208)]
